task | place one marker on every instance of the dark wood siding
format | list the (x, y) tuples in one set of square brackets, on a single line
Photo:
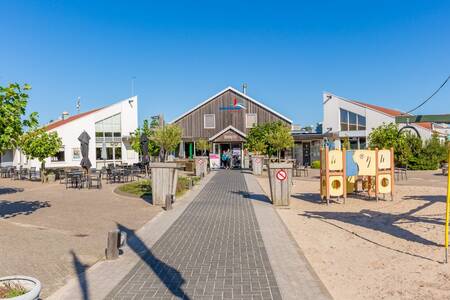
[(193, 127)]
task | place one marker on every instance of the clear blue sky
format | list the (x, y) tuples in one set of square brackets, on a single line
[(391, 53)]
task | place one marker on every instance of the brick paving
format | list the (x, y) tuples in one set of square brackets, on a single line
[(214, 250)]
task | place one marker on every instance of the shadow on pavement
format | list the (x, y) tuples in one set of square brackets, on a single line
[(11, 209), (81, 274), (9, 190), (169, 276)]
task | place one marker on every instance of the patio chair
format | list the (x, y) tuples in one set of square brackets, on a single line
[(62, 175), (95, 179), (401, 173)]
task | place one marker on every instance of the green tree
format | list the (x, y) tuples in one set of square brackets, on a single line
[(13, 119), (153, 148), (279, 138), (39, 144), (256, 139), (387, 136), (167, 138), (202, 145), (346, 143)]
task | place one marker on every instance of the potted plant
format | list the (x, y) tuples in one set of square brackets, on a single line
[(164, 174), (201, 162), (19, 288), (279, 138)]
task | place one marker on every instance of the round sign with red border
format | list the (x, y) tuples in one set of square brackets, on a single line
[(257, 160), (200, 161), (281, 175)]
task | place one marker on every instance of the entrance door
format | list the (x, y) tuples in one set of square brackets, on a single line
[(307, 154)]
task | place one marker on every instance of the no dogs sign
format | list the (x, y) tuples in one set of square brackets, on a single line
[(281, 175)]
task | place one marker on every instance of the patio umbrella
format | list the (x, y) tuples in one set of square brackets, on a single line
[(144, 148), (84, 140)]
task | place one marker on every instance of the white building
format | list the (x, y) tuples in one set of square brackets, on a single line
[(111, 125), (355, 120)]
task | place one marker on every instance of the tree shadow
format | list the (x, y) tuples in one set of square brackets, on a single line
[(169, 276), (80, 269), (253, 196), (9, 190), (11, 209)]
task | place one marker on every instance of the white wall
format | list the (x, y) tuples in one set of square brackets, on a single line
[(374, 119), (70, 132)]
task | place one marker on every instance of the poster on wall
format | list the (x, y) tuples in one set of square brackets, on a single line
[(214, 161)]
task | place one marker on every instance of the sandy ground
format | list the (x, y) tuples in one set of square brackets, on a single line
[(369, 250)]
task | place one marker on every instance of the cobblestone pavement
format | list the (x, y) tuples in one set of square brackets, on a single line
[(214, 250)]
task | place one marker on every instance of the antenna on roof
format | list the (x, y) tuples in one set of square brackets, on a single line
[(244, 88), (78, 105)]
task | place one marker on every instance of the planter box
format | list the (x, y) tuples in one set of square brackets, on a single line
[(164, 181), (280, 179), (257, 164), (32, 285), (50, 178), (201, 165)]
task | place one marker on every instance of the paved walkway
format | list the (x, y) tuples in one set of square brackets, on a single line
[(213, 250), (223, 241)]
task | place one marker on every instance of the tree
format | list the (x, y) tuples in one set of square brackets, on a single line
[(13, 119), (280, 138), (256, 139), (346, 143), (153, 148), (167, 138), (39, 144), (202, 145), (387, 136)]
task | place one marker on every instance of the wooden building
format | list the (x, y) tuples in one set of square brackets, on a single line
[(224, 120)]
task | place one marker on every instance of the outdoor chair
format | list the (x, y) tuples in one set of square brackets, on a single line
[(301, 170), (95, 179), (401, 173), (33, 173), (3, 172), (62, 175)]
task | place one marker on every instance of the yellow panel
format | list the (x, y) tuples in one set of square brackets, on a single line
[(384, 184), (322, 162), (384, 159), (336, 185), (365, 159), (351, 184), (335, 160), (323, 189)]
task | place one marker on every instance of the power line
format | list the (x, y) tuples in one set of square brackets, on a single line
[(428, 99)]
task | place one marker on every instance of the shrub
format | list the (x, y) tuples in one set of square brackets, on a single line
[(315, 164)]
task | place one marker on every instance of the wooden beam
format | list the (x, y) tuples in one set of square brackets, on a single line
[(423, 118)]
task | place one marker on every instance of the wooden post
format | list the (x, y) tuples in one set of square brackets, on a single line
[(321, 175), (376, 174), (327, 176), (168, 205), (112, 249), (392, 173), (344, 174)]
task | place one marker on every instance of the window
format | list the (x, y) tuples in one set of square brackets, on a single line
[(209, 121), (251, 120), (344, 120), (60, 156), (361, 123), (118, 152), (76, 154), (351, 121)]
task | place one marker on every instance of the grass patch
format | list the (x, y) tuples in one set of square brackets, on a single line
[(143, 188), (11, 290)]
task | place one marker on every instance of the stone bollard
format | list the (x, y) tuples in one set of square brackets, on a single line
[(280, 178), (201, 165), (164, 181), (257, 164), (116, 239), (169, 200)]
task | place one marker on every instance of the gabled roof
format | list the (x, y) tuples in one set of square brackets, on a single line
[(69, 119), (225, 130), (240, 94)]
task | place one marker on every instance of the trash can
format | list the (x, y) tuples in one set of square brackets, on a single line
[(280, 179), (201, 165), (257, 164), (164, 181)]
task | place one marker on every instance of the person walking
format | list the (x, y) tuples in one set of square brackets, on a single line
[(223, 159)]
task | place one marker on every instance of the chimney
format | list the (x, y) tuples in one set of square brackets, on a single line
[(244, 88), (64, 115)]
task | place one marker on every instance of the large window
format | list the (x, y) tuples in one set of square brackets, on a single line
[(209, 121), (251, 120), (60, 156), (351, 121)]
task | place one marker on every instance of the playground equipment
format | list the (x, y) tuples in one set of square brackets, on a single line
[(341, 170)]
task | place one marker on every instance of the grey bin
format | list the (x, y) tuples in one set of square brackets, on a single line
[(280, 179)]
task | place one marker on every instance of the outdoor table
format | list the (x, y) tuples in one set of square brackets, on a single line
[(76, 179)]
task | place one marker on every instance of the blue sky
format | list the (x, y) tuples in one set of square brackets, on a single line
[(390, 53)]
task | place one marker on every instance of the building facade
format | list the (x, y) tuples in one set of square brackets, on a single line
[(345, 118), (224, 120), (110, 130)]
